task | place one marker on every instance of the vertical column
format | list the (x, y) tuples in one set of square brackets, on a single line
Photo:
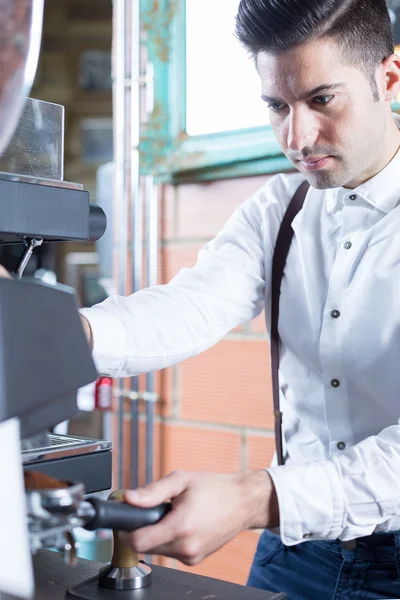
[(120, 234)]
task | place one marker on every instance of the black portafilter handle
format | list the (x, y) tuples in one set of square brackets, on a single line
[(124, 517), (97, 222)]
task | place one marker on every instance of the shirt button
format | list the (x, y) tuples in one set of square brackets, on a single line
[(335, 383), (341, 445), (348, 245), (353, 197), (307, 536), (335, 314)]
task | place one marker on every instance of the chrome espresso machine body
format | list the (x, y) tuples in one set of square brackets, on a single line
[(37, 207)]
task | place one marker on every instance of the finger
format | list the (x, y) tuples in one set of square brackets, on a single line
[(147, 538), (172, 549), (160, 491), (173, 537), (175, 550)]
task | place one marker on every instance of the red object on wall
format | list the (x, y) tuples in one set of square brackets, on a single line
[(103, 393)]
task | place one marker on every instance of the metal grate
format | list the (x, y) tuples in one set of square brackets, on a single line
[(62, 440), (59, 444)]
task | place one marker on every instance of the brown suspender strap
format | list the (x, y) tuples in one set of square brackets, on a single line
[(281, 251)]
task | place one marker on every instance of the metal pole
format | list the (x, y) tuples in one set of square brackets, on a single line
[(120, 199), (136, 213), (151, 279)]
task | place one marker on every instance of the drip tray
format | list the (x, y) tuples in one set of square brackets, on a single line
[(70, 458)]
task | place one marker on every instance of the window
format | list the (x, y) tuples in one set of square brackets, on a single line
[(205, 124), (223, 90)]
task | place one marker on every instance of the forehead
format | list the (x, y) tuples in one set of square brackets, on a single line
[(303, 68)]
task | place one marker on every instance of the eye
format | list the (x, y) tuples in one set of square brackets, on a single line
[(323, 100), (276, 106)]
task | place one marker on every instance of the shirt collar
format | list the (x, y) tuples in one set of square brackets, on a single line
[(381, 191)]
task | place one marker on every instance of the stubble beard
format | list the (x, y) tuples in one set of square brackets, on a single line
[(324, 180)]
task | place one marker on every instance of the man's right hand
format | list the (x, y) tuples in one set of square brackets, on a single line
[(208, 510)]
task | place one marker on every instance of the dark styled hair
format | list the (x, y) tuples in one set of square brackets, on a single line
[(362, 28)]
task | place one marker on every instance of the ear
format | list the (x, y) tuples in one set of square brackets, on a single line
[(391, 75)]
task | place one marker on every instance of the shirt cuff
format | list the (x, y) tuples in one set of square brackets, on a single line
[(311, 501), (107, 332)]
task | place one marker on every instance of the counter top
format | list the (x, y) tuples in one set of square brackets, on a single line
[(53, 578)]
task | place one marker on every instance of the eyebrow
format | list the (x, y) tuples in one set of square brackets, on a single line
[(315, 92)]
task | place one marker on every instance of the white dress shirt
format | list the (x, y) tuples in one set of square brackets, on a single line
[(340, 330)]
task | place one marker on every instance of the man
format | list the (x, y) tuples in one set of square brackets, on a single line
[(328, 75)]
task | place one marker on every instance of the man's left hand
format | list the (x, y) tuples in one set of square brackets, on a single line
[(208, 510)]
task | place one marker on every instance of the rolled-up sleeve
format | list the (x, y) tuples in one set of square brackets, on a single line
[(352, 494)]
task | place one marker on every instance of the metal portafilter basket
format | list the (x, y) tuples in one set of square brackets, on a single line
[(55, 508)]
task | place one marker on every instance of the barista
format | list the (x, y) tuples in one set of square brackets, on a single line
[(328, 74)]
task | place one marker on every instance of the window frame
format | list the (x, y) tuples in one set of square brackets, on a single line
[(167, 151)]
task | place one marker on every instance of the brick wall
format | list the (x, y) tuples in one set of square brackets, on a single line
[(215, 412)]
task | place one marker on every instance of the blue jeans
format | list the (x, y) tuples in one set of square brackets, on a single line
[(326, 571)]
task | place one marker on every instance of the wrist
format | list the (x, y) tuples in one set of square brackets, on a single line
[(259, 499)]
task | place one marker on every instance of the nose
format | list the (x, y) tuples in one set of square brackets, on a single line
[(303, 130)]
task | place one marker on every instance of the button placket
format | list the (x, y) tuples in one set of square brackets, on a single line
[(333, 333), (334, 338)]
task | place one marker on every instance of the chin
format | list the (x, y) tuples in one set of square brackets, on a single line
[(324, 181)]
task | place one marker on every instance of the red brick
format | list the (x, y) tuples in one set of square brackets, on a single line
[(230, 383), (204, 208), (260, 450), (176, 257), (232, 562), (196, 449)]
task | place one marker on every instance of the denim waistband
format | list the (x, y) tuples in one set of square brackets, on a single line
[(378, 546)]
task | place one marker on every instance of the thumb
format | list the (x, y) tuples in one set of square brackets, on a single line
[(158, 492)]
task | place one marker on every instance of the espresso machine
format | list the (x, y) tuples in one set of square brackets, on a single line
[(49, 482)]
